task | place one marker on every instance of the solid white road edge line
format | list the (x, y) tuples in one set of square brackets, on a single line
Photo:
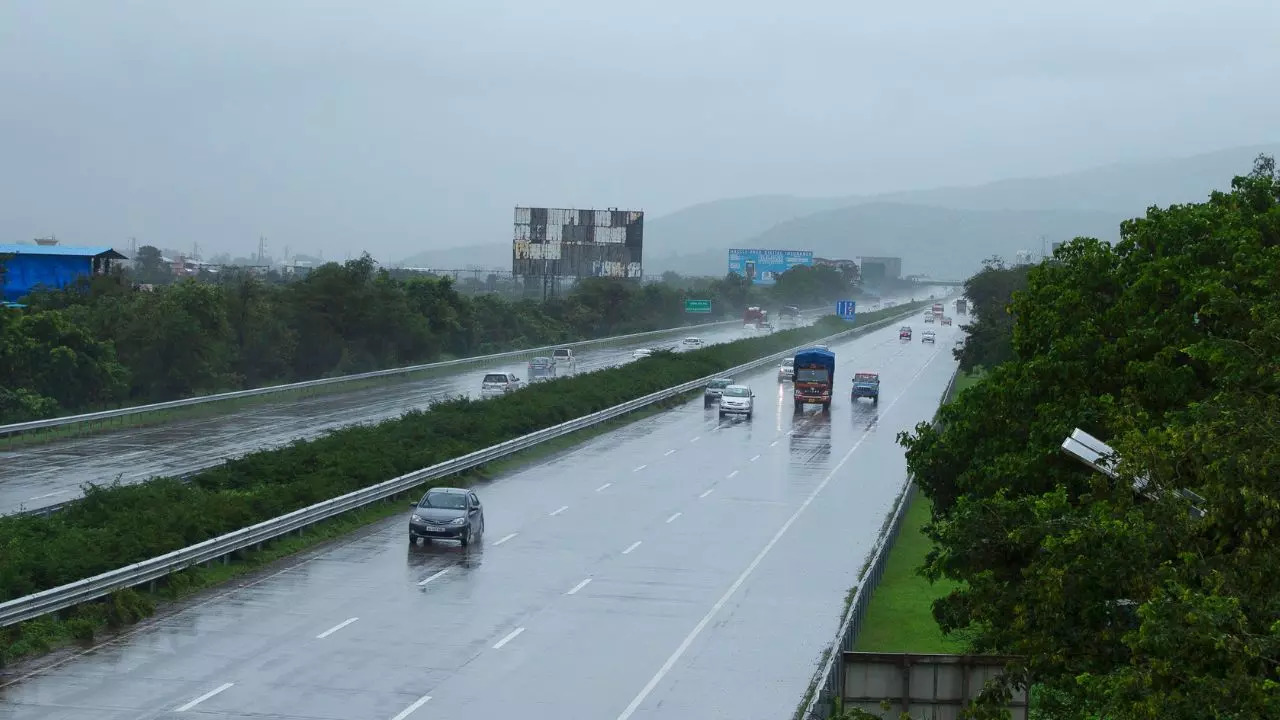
[(433, 577), (505, 539), (409, 710), (510, 636), (336, 628), (559, 510), (672, 518), (204, 697), (706, 619), (578, 587), (631, 547)]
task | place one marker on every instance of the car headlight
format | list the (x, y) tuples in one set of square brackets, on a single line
[(417, 518), (458, 521)]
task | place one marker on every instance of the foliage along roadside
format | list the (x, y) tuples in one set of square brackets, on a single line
[(108, 343), (113, 526), (1127, 605)]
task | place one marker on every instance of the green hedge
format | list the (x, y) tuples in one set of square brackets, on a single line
[(113, 526)]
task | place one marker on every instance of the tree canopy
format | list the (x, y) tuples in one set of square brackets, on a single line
[(108, 342), (1166, 346)]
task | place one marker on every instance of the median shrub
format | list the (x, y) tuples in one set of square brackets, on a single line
[(113, 526)]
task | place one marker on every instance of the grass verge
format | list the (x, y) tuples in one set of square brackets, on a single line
[(900, 616), (88, 623)]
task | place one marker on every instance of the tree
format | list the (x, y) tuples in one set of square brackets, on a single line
[(150, 268), (1127, 604)]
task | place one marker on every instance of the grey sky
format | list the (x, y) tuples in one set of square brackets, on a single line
[(396, 126)]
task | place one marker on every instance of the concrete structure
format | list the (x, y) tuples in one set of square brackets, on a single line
[(875, 269), (51, 266)]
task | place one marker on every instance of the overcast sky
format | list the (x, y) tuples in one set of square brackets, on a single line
[(399, 125)]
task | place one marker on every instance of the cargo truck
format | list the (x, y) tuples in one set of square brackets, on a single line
[(962, 306), (814, 378)]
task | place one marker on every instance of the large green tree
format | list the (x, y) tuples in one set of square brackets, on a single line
[(1126, 603)]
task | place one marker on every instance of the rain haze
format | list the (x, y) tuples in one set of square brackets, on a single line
[(397, 127)]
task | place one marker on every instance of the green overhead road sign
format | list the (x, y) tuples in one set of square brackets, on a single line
[(697, 306)]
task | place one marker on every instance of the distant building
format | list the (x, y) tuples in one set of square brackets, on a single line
[(51, 266), (876, 269)]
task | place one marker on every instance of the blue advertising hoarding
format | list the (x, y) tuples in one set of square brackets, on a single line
[(762, 267)]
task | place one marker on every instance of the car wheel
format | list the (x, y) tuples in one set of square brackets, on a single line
[(466, 538), (413, 541)]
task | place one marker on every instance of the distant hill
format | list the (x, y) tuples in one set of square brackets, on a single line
[(999, 217)]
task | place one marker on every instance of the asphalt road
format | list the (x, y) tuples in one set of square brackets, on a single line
[(49, 474), (680, 567)]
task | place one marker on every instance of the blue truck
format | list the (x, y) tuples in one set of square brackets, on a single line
[(814, 378), (866, 385)]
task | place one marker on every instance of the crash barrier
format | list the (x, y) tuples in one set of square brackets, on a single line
[(29, 426), (828, 683), (72, 594)]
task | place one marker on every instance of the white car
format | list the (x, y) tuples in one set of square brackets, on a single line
[(565, 359), (737, 400), (787, 370), (641, 353), (692, 342), (928, 336), (499, 383)]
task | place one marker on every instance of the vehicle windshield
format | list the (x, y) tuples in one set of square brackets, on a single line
[(719, 384), (495, 378), (789, 362), (692, 340), (737, 392), (812, 375), (444, 501), (561, 353), (860, 377)]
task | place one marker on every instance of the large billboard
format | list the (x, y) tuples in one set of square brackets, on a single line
[(762, 267), (566, 243)]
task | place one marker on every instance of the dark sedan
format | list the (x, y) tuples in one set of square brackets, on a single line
[(447, 514)]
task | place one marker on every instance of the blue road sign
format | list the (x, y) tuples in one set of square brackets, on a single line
[(847, 309)]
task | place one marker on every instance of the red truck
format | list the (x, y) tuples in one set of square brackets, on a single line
[(754, 316), (938, 309)]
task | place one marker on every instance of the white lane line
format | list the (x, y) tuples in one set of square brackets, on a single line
[(204, 697), (707, 492), (433, 577), (638, 469), (505, 539), (673, 517), (706, 619), (510, 636), (668, 452), (631, 547), (48, 495), (603, 487), (775, 442), (336, 628), (409, 710), (696, 438), (757, 457), (730, 475), (578, 587), (559, 510)]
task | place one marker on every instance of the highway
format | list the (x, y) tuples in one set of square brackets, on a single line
[(48, 474), (682, 566)]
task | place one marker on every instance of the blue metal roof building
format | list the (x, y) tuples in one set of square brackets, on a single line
[(51, 266)]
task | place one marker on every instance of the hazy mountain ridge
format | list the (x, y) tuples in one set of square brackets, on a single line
[(940, 231)]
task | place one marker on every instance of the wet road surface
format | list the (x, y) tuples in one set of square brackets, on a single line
[(680, 567), (53, 473)]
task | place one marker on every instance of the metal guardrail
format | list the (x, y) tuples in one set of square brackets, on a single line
[(23, 427), (828, 683), (71, 594)]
